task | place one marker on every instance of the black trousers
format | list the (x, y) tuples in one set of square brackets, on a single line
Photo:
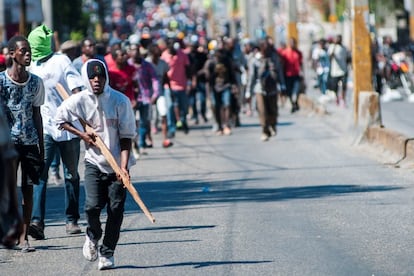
[(103, 190)]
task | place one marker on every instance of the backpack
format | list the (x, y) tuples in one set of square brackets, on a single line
[(267, 75)]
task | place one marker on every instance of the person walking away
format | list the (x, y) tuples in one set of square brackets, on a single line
[(265, 73), (161, 69), (54, 68), (22, 94), (339, 58), (102, 186), (178, 75), (292, 58)]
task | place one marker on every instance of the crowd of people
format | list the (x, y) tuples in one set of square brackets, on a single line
[(126, 90)]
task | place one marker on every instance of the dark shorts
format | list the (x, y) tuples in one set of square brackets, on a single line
[(31, 164)]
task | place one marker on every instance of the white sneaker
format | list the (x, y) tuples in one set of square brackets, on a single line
[(106, 262), (264, 137), (90, 250), (135, 152), (55, 179)]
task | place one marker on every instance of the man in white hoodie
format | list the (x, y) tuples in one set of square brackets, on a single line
[(110, 115)]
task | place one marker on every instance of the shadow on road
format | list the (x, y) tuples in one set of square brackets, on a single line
[(168, 196), (195, 264), (175, 195)]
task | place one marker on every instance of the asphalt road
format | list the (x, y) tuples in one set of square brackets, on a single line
[(399, 116), (307, 202)]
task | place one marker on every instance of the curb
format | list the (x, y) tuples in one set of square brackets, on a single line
[(390, 141)]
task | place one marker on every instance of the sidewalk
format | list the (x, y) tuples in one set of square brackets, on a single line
[(390, 143)]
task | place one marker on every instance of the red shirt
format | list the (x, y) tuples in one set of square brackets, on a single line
[(177, 72), (110, 63), (292, 61), (122, 80)]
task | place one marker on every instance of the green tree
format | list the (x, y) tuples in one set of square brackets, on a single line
[(383, 8), (69, 20)]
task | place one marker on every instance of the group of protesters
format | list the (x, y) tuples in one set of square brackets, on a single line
[(125, 90)]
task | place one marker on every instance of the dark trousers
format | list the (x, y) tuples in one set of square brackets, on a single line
[(103, 190), (267, 108), (198, 95), (69, 151), (293, 87)]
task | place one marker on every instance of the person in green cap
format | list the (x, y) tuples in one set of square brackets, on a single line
[(55, 68)]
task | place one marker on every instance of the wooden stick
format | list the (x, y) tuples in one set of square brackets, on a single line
[(111, 160)]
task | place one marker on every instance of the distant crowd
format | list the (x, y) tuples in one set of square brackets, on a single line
[(126, 91)]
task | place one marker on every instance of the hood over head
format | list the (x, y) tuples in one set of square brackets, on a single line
[(92, 68)]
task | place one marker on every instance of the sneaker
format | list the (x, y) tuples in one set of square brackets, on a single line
[(264, 137), (227, 131), (26, 248), (73, 228), (90, 250), (55, 179), (135, 152), (179, 124), (106, 262), (36, 230), (272, 130), (147, 146), (167, 143)]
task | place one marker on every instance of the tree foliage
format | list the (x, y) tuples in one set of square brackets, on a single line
[(381, 8), (69, 19)]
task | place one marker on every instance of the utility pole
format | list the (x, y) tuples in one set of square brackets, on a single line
[(23, 19), (361, 52), (333, 19), (245, 17), (270, 22), (412, 20), (292, 20), (2, 22), (233, 11)]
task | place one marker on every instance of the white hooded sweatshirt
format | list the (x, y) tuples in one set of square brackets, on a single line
[(110, 115)]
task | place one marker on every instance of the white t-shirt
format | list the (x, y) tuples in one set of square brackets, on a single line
[(57, 69), (339, 60)]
